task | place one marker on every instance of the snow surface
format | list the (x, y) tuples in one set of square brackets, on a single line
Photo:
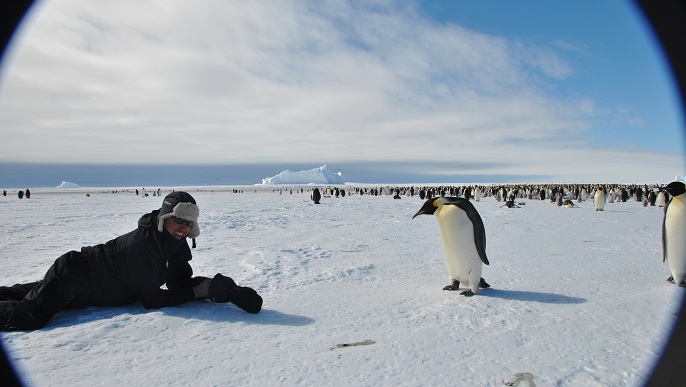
[(353, 294), (321, 175)]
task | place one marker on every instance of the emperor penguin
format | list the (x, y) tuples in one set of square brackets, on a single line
[(674, 231), (599, 199), (463, 238), (316, 196), (661, 199)]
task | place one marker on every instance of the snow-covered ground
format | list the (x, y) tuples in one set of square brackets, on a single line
[(353, 295)]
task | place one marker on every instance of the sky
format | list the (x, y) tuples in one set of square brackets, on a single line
[(386, 91)]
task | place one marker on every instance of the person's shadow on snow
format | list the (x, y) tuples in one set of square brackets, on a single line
[(199, 310), (231, 313), (519, 295)]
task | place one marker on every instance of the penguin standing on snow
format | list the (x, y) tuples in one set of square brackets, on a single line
[(599, 199), (316, 196), (674, 231), (661, 198), (463, 238)]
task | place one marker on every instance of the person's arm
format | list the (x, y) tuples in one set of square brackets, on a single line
[(181, 275), (202, 289), (145, 268)]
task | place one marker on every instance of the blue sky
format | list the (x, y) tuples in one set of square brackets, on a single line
[(388, 91), (612, 53)]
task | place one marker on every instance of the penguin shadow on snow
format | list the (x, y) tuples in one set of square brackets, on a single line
[(523, 295)]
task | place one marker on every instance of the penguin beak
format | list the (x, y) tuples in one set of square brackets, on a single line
[(428, 208)]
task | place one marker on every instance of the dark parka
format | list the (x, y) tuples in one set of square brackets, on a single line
[(134, 266), (129, 268)]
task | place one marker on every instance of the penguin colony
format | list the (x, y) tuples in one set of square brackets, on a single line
[(462, 233), (461, 228)]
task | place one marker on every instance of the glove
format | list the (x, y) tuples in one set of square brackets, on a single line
[(246, 299), (224, 289), (221, 288)]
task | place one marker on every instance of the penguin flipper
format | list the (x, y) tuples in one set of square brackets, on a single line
[(479, 229)]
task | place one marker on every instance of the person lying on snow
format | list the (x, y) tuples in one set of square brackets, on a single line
[(129, 268)]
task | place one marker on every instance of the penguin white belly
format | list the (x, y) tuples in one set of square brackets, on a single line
[(599, 200), (459, 249), (675, 239)]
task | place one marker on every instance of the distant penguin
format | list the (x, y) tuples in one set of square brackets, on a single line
[(316, 196), (468, 193), (624, 196), (673, 231), (661, 199), (463, 238), (477, 194), (599, 199)]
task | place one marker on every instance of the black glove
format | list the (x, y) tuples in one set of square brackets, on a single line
[(246, 299), (224, 289), (221, 288)]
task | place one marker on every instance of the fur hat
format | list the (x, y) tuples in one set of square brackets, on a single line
[(181, 205)]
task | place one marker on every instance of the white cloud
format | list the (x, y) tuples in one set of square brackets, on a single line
[(287, 81)]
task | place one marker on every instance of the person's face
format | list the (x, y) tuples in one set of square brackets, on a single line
[(177, 230)]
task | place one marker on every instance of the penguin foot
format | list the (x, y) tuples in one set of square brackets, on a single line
[(483, 284), (670, 279), (467, 293), (682, 285), (454, 285)]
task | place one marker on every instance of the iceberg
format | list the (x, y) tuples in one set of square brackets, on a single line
[(66, 184), (321, 175)]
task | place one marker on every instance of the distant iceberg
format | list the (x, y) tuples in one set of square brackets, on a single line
[(66, 184), (321, 175)]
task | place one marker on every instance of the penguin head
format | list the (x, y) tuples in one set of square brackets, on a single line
[(430, 206), (675, 188)]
